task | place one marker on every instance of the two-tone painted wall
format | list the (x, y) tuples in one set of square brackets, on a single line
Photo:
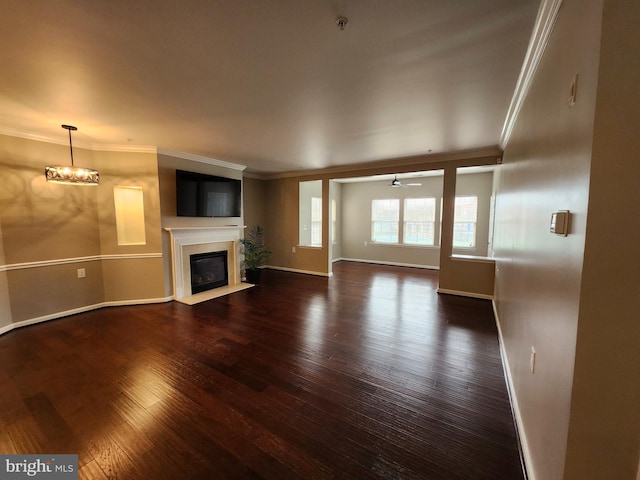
[(49, 231)]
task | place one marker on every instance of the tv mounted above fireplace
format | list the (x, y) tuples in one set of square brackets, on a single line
[(201, 195)]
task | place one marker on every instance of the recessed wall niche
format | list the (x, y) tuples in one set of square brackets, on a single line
[(129, 215)]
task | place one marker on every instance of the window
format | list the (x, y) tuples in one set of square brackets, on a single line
[(464, 222), (334, 220), (419, 221), (316, 221), (310, 213), (385, 216)]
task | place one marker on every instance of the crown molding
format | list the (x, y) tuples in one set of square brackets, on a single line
[(256, 175), (63, 140), (100, 147), (198, 158), (545, 21)]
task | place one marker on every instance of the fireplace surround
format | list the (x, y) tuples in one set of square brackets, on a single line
[(185, 242)]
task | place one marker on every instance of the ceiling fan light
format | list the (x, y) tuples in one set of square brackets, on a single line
[(397, 183)]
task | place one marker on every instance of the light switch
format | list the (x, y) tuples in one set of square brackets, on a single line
[(560, 222), (573, 90)]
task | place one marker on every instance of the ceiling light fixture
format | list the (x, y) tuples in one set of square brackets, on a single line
[(397, 183), (71, 175)]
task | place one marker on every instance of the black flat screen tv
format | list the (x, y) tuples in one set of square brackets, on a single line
[(201, 195)]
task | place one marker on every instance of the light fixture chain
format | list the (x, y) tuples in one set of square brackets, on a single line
[(70, 147)]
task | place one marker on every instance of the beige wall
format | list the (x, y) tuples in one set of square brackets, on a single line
[(275, 203), (604, 429), (574, 299), (254, 207), (49, 231), (546, 168), (6, 317), (43, 221), (335, 194), (5, 304), (131, 170), (356, 211), (281, 230), (133, 280), (48, 290), (128, 279)]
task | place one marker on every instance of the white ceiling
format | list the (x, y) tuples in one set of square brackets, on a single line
[(273, 85)]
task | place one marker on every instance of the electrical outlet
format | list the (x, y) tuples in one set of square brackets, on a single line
[(293, 249), (82, 273), (366, 243), (532, 361)]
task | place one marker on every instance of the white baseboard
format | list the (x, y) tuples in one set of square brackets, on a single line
[(393, 264), (143, 301), (74, 311), (296, 270), (520, 431), (465, 294)]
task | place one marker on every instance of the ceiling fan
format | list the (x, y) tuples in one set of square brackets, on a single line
[(398, 183)]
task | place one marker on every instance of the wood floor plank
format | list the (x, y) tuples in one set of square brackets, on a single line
[(92, 471), (368, 374), (26, 435)]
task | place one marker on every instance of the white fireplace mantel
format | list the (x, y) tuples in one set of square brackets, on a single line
[(187, 241)]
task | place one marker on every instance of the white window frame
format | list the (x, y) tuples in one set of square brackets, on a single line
[(334, 221), (310, 223), (316, 221), (466, 226), (426, 225), (381, 224)]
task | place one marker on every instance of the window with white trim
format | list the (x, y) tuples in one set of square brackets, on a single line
[(316, 221), (464, 222), (310, 213), (419, 221), (385, 218), (334, 220)]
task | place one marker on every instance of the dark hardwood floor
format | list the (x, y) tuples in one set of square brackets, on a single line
[(369, 374)]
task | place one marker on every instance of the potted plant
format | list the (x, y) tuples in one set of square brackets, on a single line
[(254, 253)]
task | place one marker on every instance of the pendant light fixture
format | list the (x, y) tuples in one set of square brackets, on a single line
[(71, 175)]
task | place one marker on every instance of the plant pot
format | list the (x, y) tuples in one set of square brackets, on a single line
[(253, 275)]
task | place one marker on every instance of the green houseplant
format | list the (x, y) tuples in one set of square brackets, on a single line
[(254, 253)]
